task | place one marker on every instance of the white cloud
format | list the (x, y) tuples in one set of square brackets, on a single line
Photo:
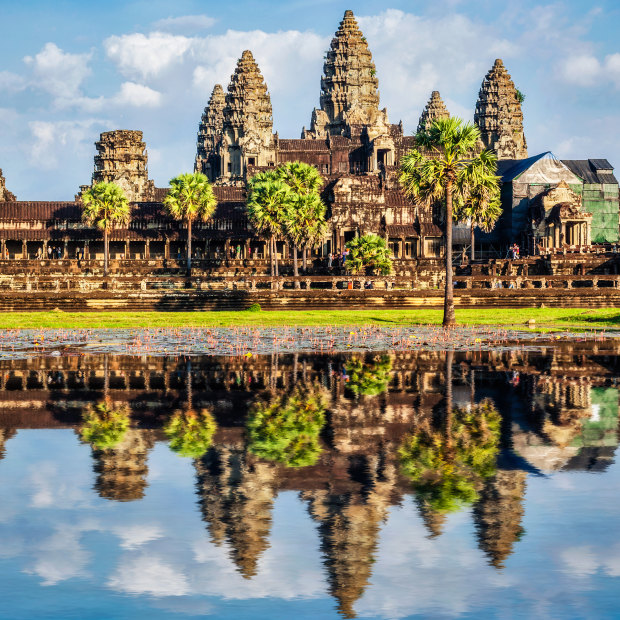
[(137, 95), (134, 536), (11, 82), (185, 23), (146, 56), (149, 574), (59, 73), (586, 70), (50, 139)]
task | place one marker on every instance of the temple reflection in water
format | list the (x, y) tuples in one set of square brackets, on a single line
[(555, 411)]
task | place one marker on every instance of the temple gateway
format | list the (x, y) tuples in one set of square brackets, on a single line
[(550, 205)]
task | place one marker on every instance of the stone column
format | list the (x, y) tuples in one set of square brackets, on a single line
[(126, 249), (24, 250), (147, 249), (64, 248), (167, 248)]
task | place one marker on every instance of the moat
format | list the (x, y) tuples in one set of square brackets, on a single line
[(347, 476)]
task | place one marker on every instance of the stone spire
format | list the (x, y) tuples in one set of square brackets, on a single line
[(248, 121), (434, 110), (122, 159), (236, 493), (499, 116), (498, 515), (210, 134), (349, 94), (5, 194)]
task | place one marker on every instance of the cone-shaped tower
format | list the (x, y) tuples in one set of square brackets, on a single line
[(236, 495), (247, 121), (499, 116), (434, 110), (210, 134), (5, 194), (349, 94), (498, 515), (5, 435)]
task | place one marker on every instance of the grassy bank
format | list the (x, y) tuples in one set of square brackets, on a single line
[(544, 317)]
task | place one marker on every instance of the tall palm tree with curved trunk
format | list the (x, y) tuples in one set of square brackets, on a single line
[(105, 206), (444, 168), (268, 203), (190, 198)]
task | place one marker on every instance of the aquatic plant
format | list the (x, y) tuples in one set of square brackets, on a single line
[(104, 426), (190, 433), (446, 466), (286, 428), (368, 378)]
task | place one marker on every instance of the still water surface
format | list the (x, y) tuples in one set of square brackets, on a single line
[(394, 485)]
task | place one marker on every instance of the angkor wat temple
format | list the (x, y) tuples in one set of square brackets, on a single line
[(549, 205)]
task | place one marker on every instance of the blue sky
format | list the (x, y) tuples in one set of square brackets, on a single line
[(70, 70)]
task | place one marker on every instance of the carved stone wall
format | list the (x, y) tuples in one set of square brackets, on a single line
[(435, 109), (499, 115), (122, 159), (5, 194), (210, 135)]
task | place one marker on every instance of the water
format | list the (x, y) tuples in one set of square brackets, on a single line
[(332, 485)]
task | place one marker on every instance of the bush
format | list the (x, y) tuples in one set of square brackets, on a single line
[(254, 308)]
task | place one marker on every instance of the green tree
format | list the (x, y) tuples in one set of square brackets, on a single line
[(443, 169), (104, 426), (446, 466), (368, 378), (483, 206), (305, 225), (190, 432), (286, 429), (105, 206), (369, 254), (268, 203), (190, 197)]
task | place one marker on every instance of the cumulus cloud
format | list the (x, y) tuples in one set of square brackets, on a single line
[(184, 24), (149, 574), (11, 82), (49, 140), (146, 55), (59, 73)]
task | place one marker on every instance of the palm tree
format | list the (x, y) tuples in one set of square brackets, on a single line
[(445, 170), (190, 432), (268, 204), (369, 254), (447, 466), (104, 426), (190, 197), (483, 206), (286, 429), (305, 227), (105, 205)]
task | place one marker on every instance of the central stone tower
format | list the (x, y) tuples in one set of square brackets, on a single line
[(5, 194), (349, 86), (499, 115)]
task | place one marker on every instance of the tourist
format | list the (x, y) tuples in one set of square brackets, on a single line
[(516, 251), (330, 260), (49, 252), (238, 251)]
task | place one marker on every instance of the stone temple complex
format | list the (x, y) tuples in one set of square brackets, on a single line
[(550, 206)]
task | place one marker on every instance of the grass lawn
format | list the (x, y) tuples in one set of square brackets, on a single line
[(544, 317)]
